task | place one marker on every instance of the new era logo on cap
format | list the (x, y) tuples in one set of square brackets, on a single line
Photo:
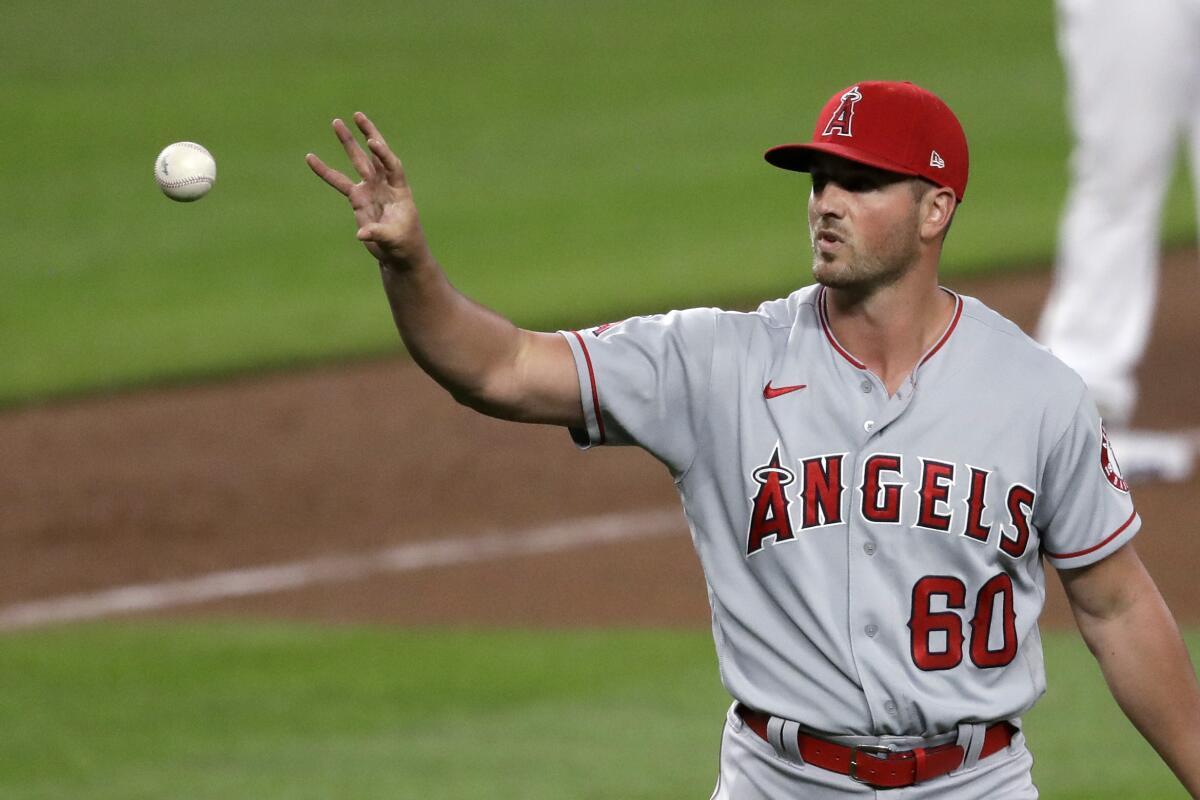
[(891, 125)]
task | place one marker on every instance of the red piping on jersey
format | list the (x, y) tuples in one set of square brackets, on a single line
[(823, 316), (958, 305), (1096, 547), (592, 377), (824, 319)]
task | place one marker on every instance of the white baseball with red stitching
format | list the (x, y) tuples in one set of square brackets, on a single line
[(185, 171)]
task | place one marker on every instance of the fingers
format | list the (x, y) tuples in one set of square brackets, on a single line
[(357, 157), (366, 126), (392, 168), (377, 160), (376, 164), (330, 175)]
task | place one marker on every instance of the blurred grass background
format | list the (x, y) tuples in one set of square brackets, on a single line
[(573, 161), (116, 712)]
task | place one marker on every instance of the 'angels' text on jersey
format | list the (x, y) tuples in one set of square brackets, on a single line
[(879, 496)]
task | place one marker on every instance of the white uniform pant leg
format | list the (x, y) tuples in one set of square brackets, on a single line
[(751, 769), (1122, 63)]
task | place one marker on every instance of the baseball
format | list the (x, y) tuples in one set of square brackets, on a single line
[(185, 171)]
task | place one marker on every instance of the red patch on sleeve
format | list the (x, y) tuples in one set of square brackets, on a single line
[(1108, 463)]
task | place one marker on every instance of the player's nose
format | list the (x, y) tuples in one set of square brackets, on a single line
[(828, 199)]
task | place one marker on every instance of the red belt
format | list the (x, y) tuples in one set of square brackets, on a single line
[(878, 766)]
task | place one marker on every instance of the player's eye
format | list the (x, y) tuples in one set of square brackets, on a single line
[(855, 182)]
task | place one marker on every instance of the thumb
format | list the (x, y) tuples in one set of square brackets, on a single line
[(368, 232)]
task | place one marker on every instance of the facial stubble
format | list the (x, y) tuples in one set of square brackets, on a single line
[(868, 268)]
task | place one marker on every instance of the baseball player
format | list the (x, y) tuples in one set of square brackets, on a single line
[(875, 471), (1133, 91)]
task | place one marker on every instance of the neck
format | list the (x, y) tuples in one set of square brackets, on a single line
[(889, 329)]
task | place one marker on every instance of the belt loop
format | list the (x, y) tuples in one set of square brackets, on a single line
[(1017, 737), (735, 716), (970, 739), (775, 735), (790, 733), (784, 736)]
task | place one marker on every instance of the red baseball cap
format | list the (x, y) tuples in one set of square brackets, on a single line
[(892, 125)]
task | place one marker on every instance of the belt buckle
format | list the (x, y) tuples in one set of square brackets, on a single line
[(874, 750)]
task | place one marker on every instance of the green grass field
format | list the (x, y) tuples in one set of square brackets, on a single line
[(270, 711), (572, 161)]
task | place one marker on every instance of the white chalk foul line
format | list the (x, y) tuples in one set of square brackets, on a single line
[(566, 535)]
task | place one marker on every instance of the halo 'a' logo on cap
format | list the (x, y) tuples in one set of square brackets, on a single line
[(841, 123)]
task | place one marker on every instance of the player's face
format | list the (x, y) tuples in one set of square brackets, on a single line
[(863, 223)]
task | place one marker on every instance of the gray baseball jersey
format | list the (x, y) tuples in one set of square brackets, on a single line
[(874, 564)]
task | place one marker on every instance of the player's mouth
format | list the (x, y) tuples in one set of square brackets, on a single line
[(827, 241)]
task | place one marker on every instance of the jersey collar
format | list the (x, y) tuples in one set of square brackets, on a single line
[(823, 317)]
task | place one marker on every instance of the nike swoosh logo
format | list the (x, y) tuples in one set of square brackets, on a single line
[(771, 392)]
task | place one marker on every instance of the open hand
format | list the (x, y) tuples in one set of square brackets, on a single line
[(383, 204)]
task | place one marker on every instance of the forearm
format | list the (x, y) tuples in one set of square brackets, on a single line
[(461, 344), (480, 357), (1147, 667)]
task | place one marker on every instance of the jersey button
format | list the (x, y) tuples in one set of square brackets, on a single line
[(869, 548), (890, 707), (866, 387), (869, 425), (871, 630)]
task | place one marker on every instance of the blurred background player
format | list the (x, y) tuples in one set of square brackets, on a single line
[(1133, 90)]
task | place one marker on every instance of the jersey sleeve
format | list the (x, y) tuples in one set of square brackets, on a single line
[(646, 381), (1085, 511)]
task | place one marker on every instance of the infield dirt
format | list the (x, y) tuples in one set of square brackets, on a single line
[(166, 484)]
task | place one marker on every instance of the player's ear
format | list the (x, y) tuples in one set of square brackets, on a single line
[(937, 209)]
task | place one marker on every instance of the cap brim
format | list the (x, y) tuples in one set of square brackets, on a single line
[(798, 157)]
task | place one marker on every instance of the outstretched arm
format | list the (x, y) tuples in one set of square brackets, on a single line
[(1131, 632), (480, 357)]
